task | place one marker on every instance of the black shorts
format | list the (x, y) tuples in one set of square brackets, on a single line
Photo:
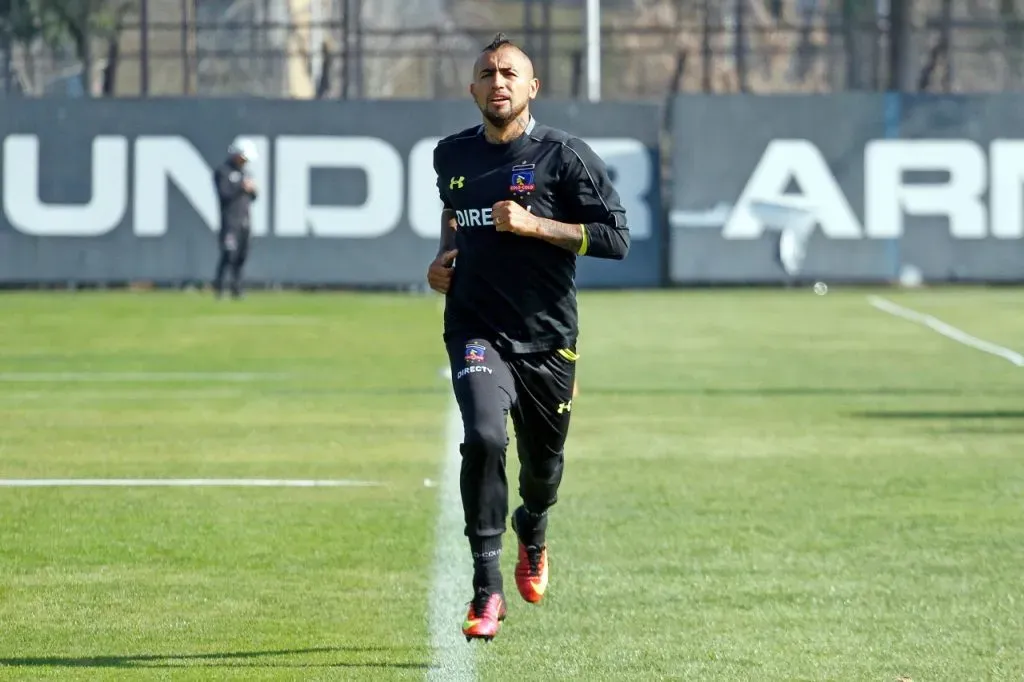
[(536, 390)]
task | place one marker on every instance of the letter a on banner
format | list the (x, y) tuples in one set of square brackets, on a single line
[(783, 162)]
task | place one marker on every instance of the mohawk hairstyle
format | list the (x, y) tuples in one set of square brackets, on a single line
[(500, 40)]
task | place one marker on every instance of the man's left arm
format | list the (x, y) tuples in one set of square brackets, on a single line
[(598, 228)]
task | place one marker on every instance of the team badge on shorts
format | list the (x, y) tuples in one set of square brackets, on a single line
[(522, 179), (475, 352)]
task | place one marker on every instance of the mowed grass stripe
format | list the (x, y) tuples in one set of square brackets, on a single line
[(774, 486), (220, 582)]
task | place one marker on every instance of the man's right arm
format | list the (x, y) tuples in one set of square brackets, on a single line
[(449, 223), (227, 189), (439, 273), (448, 228)]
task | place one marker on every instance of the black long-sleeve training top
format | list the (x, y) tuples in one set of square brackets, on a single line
[(520, 292), (234, 201)]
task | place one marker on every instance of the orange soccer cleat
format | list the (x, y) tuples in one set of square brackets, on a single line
[(531, 569), (483, 620)]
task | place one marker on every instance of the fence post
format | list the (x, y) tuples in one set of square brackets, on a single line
[(947, 44), (528, 25), (546, 44), (357, 17), (705, 49), (740, 46), (144, 48), (577, 73), (346, 49), (435, 62), (900, 37), (185, 61), (8, 44)]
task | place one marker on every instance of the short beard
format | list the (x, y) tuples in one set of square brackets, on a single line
[(502, 121)]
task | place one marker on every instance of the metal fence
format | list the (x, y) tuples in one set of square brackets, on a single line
[(421, 49)]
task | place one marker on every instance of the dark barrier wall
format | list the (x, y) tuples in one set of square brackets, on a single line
[(882, 184), (111, 191)]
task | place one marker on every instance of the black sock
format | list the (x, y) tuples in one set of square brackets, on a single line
[(531, 527), (486, 553)]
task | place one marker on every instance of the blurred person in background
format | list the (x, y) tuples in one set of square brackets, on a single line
[(235, 191)]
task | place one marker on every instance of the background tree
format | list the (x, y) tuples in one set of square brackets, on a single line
[(80, 24)]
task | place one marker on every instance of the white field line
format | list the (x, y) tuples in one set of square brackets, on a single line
[(452, 584), (41, 377), (82, 392), (949, 331), (182, 482)]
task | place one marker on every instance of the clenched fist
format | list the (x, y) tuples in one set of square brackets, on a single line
[(439, 274), (508, 216)]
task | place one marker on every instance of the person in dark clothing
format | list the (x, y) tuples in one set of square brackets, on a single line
[(521, 202), (236, 191)]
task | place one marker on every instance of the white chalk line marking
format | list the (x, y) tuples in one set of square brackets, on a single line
[(80, 392), (182, 482), (265, 320), (450, 590), (949, 331), (39, 377)]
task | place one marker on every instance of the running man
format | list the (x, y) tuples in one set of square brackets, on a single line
[(522, 201)]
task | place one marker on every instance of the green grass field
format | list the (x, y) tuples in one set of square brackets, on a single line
[(764, 485)]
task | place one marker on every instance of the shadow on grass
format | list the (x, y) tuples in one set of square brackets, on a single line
[(984, 431), (234, 659), (793, 391), (942, 414)]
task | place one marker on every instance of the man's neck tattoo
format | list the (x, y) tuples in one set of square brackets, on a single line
[(509, 132)]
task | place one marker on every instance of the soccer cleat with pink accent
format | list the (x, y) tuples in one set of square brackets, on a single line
[(483, 620), (531, 570)]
